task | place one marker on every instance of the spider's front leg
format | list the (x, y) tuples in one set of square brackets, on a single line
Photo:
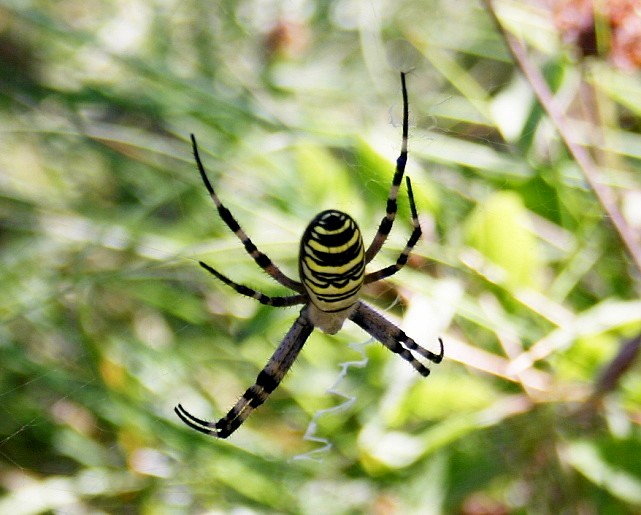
[(266, 382), (394, 338)]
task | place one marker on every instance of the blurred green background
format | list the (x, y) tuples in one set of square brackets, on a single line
[(107, 321)]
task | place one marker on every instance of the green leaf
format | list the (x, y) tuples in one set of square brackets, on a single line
[(499, 228)]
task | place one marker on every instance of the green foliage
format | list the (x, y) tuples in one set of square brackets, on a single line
[(107, 321), (499, 230)]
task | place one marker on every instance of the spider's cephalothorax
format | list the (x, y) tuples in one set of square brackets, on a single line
[(331, 266), (332, 271)]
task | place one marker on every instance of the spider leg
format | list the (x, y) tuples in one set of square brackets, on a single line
[(388, 220), (394, 338), (268, 379), (262, 260), (402, 259), (278, 302)]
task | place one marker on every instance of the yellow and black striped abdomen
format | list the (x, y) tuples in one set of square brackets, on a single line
[(332, 261)]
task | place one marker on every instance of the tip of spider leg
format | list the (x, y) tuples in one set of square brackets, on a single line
[(442, 352), (180, 412), (410, 195), (194, 147), (410, 192)]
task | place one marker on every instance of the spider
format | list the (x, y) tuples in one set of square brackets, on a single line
[(331, 266)]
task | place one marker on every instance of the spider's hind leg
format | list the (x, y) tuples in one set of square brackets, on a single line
[(388, 220), (261, 259), (413, 239), (278, 302)]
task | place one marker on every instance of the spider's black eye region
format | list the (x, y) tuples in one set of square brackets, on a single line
[(331, 263)]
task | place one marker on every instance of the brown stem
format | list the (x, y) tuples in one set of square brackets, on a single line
[(609, 377), (604, 195)]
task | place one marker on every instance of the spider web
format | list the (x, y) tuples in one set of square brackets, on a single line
[(312, 428)]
